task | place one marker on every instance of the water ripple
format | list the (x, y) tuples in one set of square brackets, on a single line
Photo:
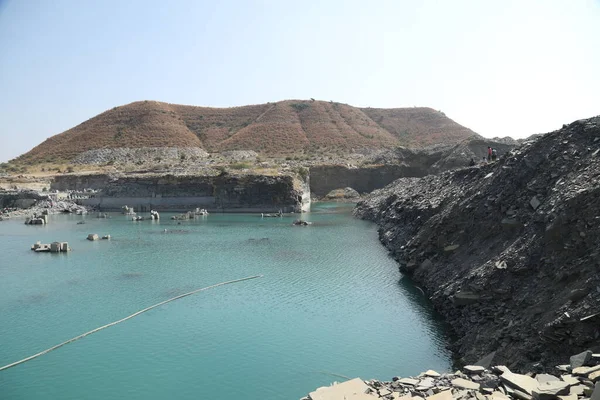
[(330, 302)]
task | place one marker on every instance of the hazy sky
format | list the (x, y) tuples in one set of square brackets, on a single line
[(498, 67)]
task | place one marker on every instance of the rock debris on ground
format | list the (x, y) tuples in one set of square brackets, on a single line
[(567, 382)]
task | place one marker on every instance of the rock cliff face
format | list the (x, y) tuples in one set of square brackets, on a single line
[(24, 199), (228, 193), (508, 252), (386, 166), (325, 178)]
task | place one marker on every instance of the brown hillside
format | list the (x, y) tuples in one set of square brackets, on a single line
[(140, 124), (274, 128), (418, 126)]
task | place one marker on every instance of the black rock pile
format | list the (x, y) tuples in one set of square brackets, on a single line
[(508, 252)]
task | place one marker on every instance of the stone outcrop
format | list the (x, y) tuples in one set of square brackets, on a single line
[(54, 247), (37, 220), (343, 194), (507, 252), (473, 382), (151, 155)]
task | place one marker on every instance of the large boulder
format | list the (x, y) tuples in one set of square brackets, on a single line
[(345, 193), (581, 359)]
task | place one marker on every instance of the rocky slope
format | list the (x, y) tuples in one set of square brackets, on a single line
[(508, 252), (285, 127)]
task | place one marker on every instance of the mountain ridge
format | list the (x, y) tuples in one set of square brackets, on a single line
[(283, 127)]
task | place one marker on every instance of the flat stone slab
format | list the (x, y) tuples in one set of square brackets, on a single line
[(550, 390), (542, 378), (409, 381), (474, 369), (425, 384), (568, 397), (431, 373), (585, 371), (570, 379), (594, 376), (521, 395), (497, 395), (466, 298), (577, 390), (465, 384), (445, 395), (522, 382), (534, 202), (354, 389), (564, 368)]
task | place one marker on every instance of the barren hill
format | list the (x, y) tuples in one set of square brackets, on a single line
[(284, 127)]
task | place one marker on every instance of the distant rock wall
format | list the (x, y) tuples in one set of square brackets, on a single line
[(227, 193), (325, 178), (23, 199)]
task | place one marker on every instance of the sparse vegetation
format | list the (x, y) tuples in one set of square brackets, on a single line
[(240, 165), (299, 106), (302, 172), (120, 133)]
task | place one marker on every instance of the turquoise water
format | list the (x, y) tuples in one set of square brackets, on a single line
[(331, 302)]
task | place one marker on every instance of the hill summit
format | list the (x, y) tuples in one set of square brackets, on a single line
[(284, 127)]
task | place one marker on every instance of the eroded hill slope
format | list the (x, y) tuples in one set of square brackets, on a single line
[(285, 127)]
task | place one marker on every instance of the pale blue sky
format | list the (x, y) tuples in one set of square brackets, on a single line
[(498, 67)]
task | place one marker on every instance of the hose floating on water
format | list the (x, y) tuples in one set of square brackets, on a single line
[(334, 374), (124, 319)]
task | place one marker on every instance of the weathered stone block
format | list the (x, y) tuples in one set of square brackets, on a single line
[(465, 384), (581, 359), (349, 389)]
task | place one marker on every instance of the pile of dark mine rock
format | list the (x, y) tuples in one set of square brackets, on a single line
[(507, 252), (579, 380)]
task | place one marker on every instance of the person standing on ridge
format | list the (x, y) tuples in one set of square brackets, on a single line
[(494, 154), (489, 156)]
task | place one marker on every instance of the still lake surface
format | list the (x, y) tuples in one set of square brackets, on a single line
[(331, 302)]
